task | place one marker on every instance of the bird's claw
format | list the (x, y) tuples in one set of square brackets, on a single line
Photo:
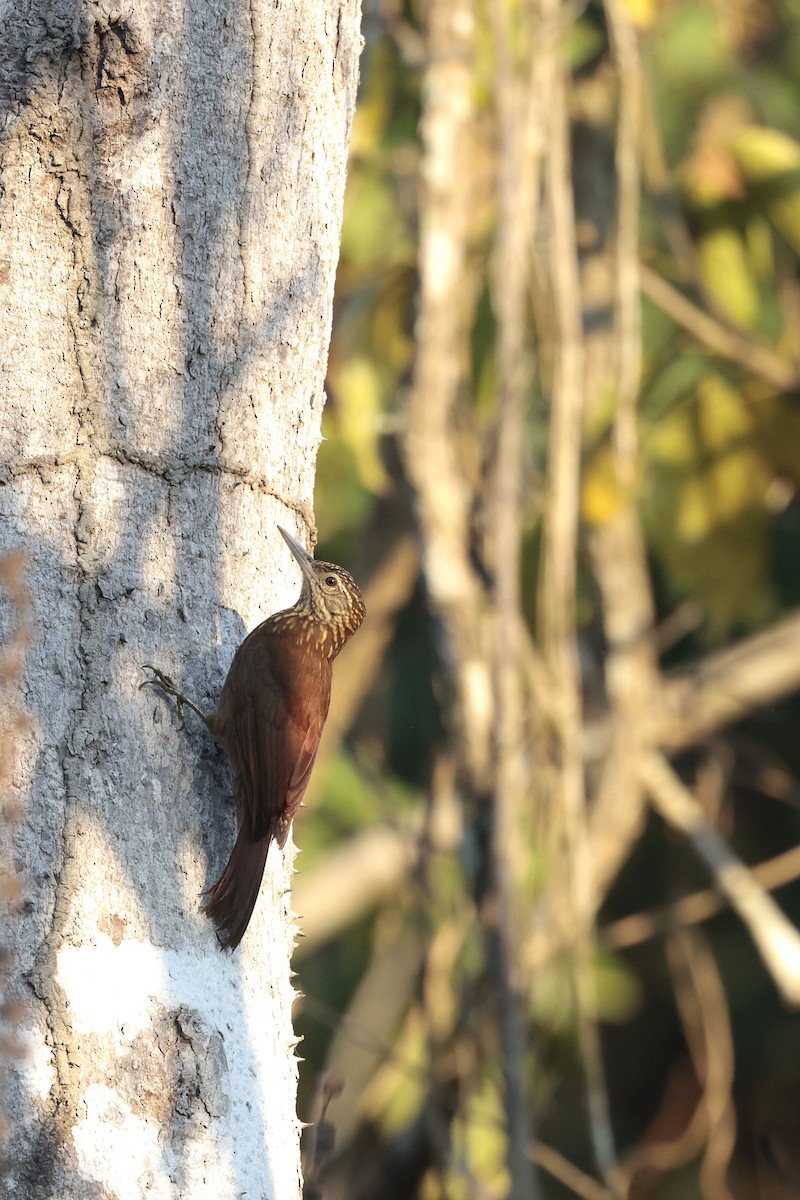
[(159, 680), (169, 688)]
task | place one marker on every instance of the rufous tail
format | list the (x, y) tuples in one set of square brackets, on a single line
[(233, 897)]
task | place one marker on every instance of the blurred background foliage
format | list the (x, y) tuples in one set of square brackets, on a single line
[(394, 969)]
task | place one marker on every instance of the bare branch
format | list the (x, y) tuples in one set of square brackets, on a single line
[(674, 712), (628, 317), (726, 686), (632, 686), (730, 684), (435, 466), (699, 906), (383, 999), (715, 1059), (617, 548), (351, 881), (520, 146), (559, 633), (704, 1014), (756, 357), (776, 939), (552, 1161)]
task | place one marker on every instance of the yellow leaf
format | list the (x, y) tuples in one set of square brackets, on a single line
[(482, 1141), (709, 468), (673, 440), (764, 154), (394, 1093), (358, 417), (602, 495), (726, 490), (642, 13), (770, 161), (727, 273), (760, 249), (724, 416)]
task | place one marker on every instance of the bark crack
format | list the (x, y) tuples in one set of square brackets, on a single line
[(173, 472)]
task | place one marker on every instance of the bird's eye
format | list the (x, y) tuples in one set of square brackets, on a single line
[(331, 581)]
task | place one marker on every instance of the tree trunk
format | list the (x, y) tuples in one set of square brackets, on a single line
[(172, 179)]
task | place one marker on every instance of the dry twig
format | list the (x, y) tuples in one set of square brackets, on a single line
[(730, 684), (699, 906), (700, 996), (756, 357), (559, 633), (581, 1184), (628, 320), (520, 148), (434, 465), (775, 938)]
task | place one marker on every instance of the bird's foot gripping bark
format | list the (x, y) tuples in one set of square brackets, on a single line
[(169, 688)]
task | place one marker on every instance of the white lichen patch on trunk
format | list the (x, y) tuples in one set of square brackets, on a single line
[(165, 1019)]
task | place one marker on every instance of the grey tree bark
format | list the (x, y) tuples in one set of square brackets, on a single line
[(172, 176)]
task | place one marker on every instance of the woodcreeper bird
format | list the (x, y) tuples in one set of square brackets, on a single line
[(271, 712)]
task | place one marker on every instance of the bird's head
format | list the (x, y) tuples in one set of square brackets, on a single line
[(330, 595)]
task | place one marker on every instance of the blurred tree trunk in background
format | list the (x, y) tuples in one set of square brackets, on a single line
[(171, 183), (577, 459)]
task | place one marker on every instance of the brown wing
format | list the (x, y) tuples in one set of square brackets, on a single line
[(270, 719), (304, 765)]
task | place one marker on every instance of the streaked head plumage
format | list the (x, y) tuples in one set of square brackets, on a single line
[(330, 596)]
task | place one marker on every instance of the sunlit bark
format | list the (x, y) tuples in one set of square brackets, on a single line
[(172, 181)]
